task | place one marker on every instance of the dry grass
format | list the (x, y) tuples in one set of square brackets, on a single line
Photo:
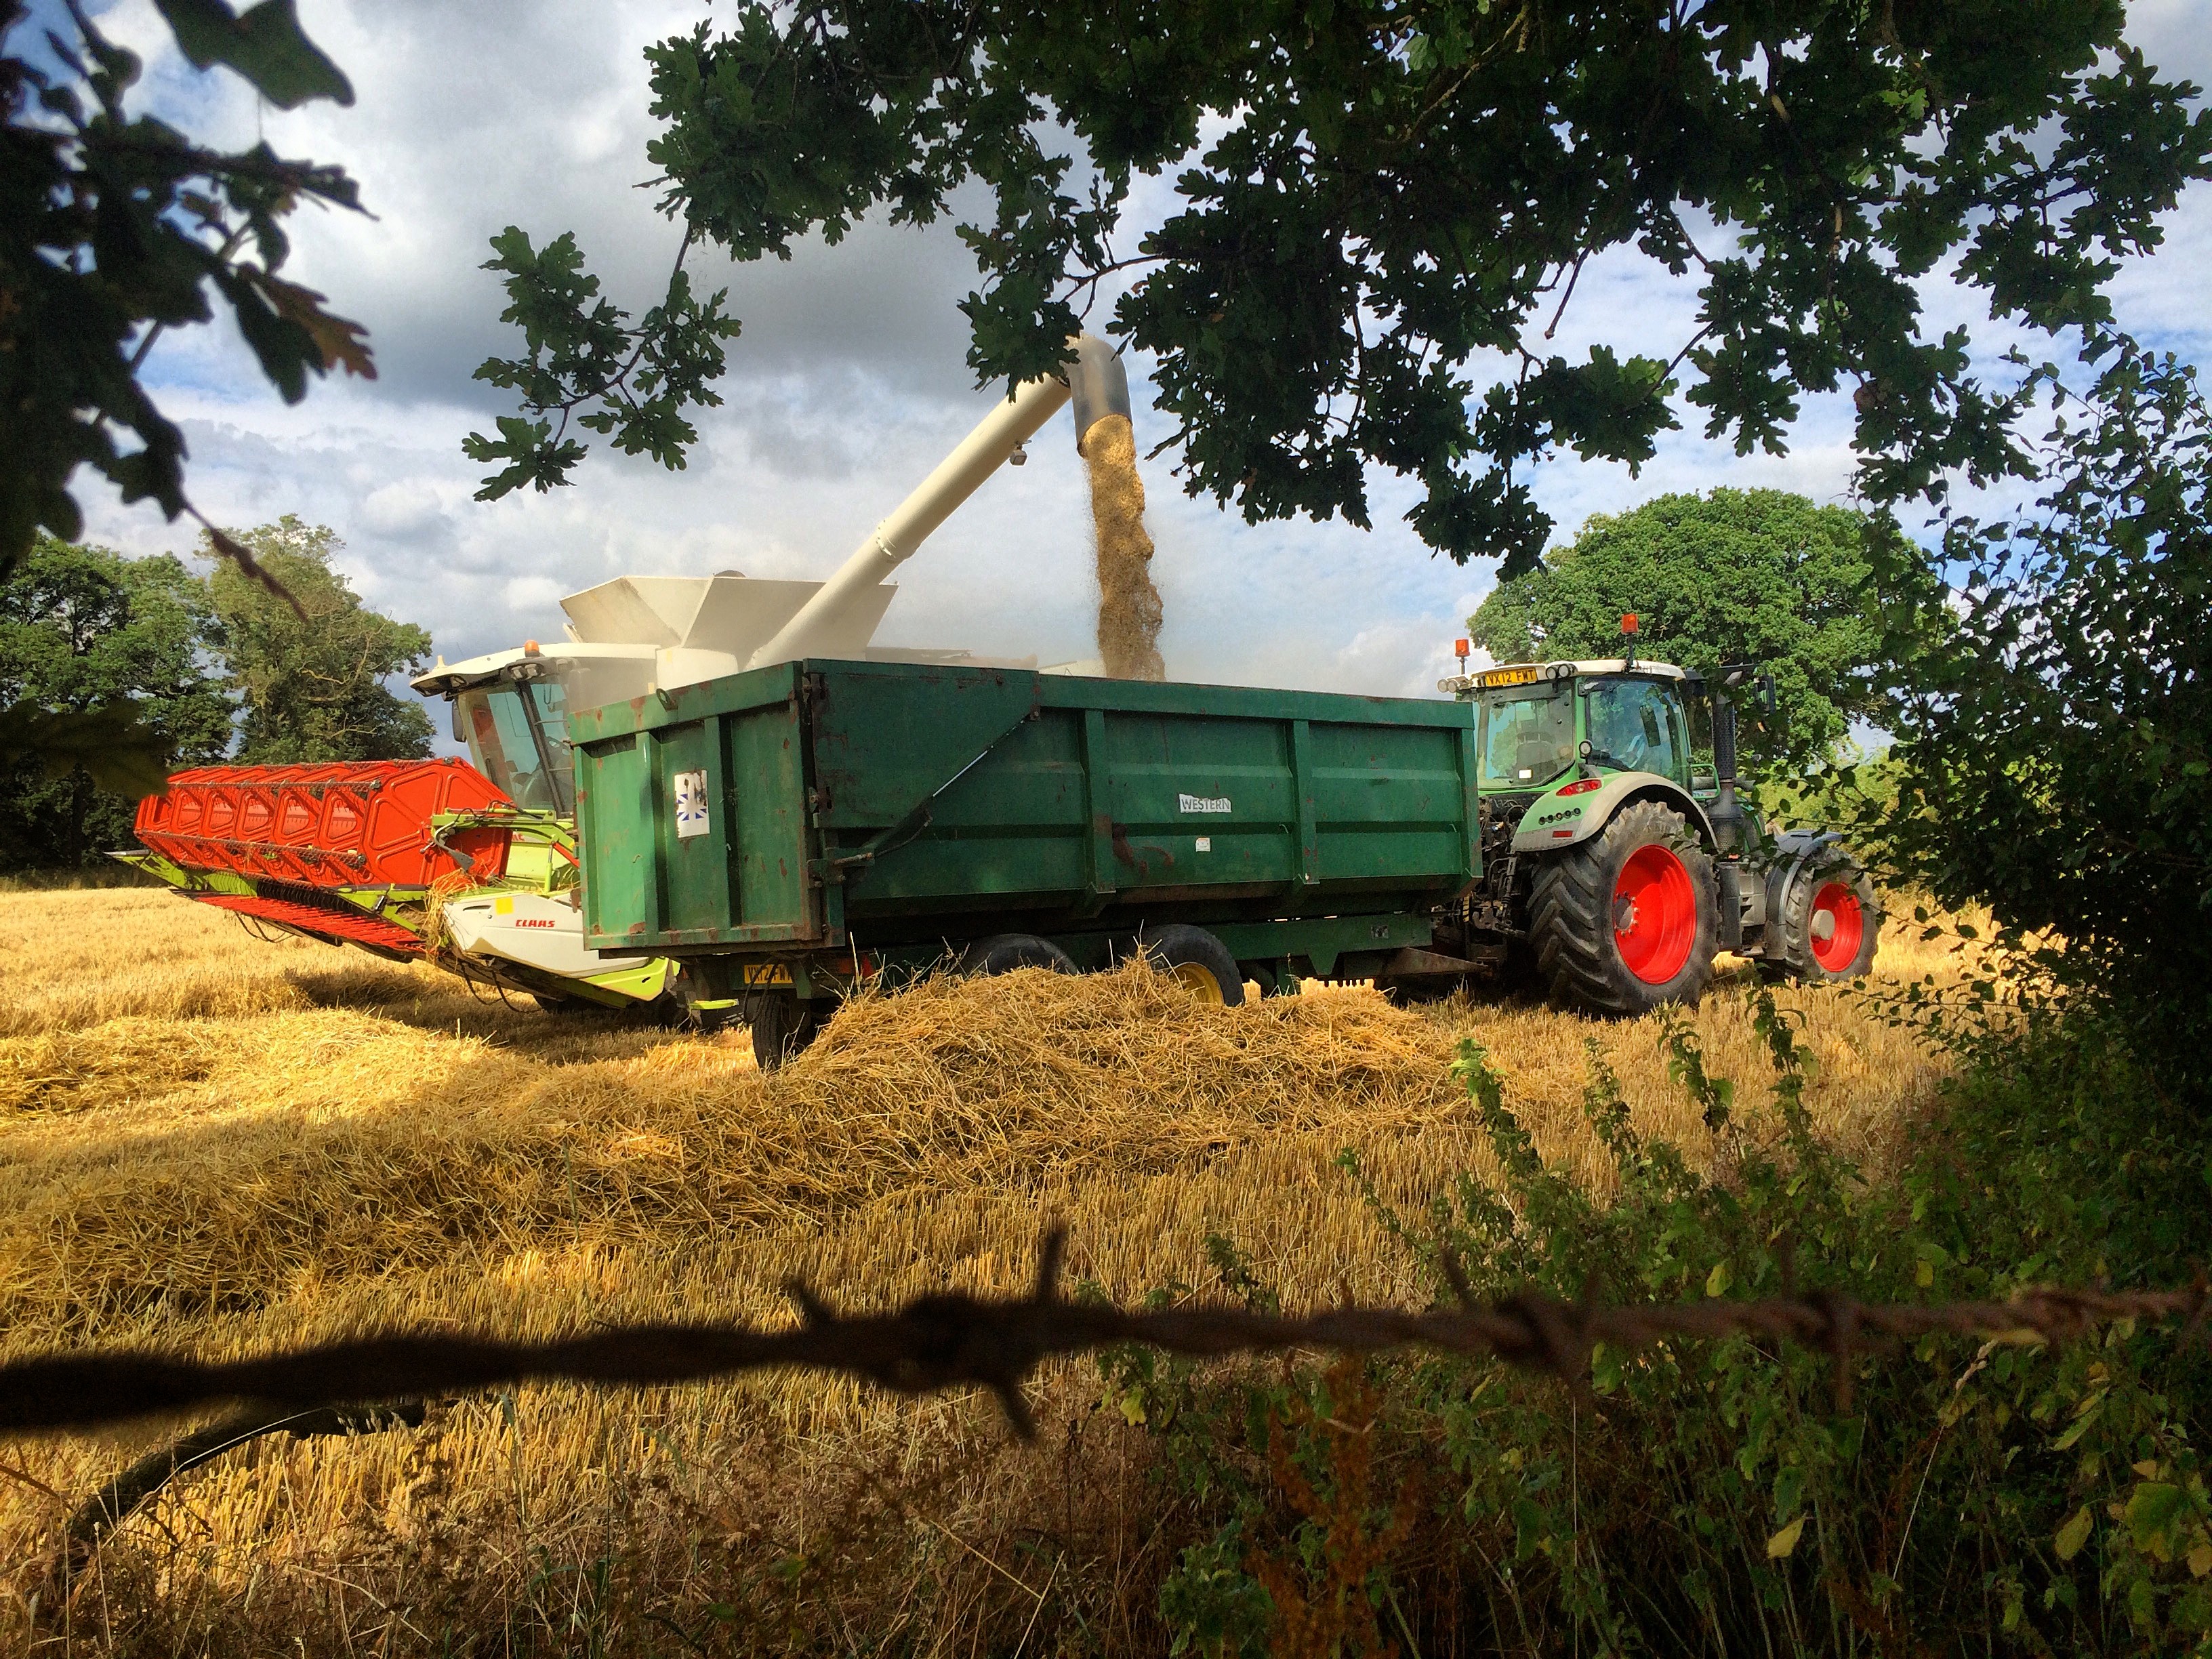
[(209, 1140)]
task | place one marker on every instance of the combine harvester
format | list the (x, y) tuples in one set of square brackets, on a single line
[(715, 800), (474, 868)]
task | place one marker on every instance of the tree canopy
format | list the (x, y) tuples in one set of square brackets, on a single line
[(84, 629), (114, 226), (310, 672), (1736, 575), (1381, 211), (200, 668)]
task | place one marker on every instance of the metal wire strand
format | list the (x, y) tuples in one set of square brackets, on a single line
[(949, 1340)]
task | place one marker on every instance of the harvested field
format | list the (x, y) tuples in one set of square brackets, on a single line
[(206, 1140)]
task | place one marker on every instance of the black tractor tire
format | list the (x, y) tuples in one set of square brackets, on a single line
[(1198, 960), (782, 1026), (1829, 922), (1002, 953), (1627, 921)]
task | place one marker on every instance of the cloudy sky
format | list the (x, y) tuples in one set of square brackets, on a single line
[(848, 385)]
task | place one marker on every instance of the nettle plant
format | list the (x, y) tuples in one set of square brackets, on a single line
[(1723, 1495)]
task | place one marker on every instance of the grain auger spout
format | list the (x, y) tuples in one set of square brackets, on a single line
[(1098, 385)]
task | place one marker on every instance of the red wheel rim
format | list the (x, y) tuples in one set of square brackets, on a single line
[(1838, 926), (1654, 914)]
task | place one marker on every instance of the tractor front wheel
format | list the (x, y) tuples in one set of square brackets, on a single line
[(1828, 921), (1625, 921)]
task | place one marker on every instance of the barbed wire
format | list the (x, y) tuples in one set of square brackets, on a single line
[(948, 1340)]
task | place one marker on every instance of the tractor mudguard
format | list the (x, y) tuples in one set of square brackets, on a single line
[(1795, 851), (1555, 820)]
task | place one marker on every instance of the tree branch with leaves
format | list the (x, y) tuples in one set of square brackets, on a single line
[(115, 228), (1380, 213)]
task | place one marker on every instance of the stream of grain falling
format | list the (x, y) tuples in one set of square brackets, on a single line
[(1128, 604)]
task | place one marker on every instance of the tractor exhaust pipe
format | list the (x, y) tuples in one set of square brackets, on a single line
[(1727, 815), (1095, 380)]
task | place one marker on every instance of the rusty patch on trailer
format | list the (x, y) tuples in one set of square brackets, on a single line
[(1140, 859)]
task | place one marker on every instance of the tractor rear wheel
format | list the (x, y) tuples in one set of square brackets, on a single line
[(1626, 920), (1828, 923)]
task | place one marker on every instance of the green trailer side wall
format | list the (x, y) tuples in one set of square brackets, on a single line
[(901, 801)]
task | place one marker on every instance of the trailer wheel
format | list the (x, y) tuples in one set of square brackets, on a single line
[(1829, 921), (1625, 921), (1199, 962), (782, 1026), (1003, 953)]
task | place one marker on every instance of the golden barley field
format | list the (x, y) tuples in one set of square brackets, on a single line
[(211, 1142)]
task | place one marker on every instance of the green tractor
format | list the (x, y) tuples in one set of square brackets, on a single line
[(1617, 860)]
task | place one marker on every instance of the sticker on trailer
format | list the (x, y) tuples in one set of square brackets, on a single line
[(690, 804), (1202, 804)]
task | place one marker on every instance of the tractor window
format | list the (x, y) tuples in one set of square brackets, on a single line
[(1527, 740), (521, 746), (1636, 726)]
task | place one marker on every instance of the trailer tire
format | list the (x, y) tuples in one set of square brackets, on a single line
[(782, 1026), (1645, 870), (1199, 962), (1002, 953), (1828, 924)]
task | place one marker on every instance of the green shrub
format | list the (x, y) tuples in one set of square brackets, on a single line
[(2051, 758), (1732, 1495)]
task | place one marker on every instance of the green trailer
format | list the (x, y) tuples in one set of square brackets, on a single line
[(786, 832)]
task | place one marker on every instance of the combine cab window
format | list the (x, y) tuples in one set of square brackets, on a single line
[(1528, 739), (1636, 726), (518, 738)]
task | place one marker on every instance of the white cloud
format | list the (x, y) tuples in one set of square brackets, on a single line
[(848, 385)]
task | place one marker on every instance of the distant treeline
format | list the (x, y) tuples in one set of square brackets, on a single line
[(221, 666)]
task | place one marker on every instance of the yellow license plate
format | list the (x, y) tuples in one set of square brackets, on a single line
[(1528, 675), (765, 973)]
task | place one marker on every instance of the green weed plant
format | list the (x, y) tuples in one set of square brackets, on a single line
[(1733, 1496)]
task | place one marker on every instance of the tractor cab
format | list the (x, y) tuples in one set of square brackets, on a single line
[(1540, 725)]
